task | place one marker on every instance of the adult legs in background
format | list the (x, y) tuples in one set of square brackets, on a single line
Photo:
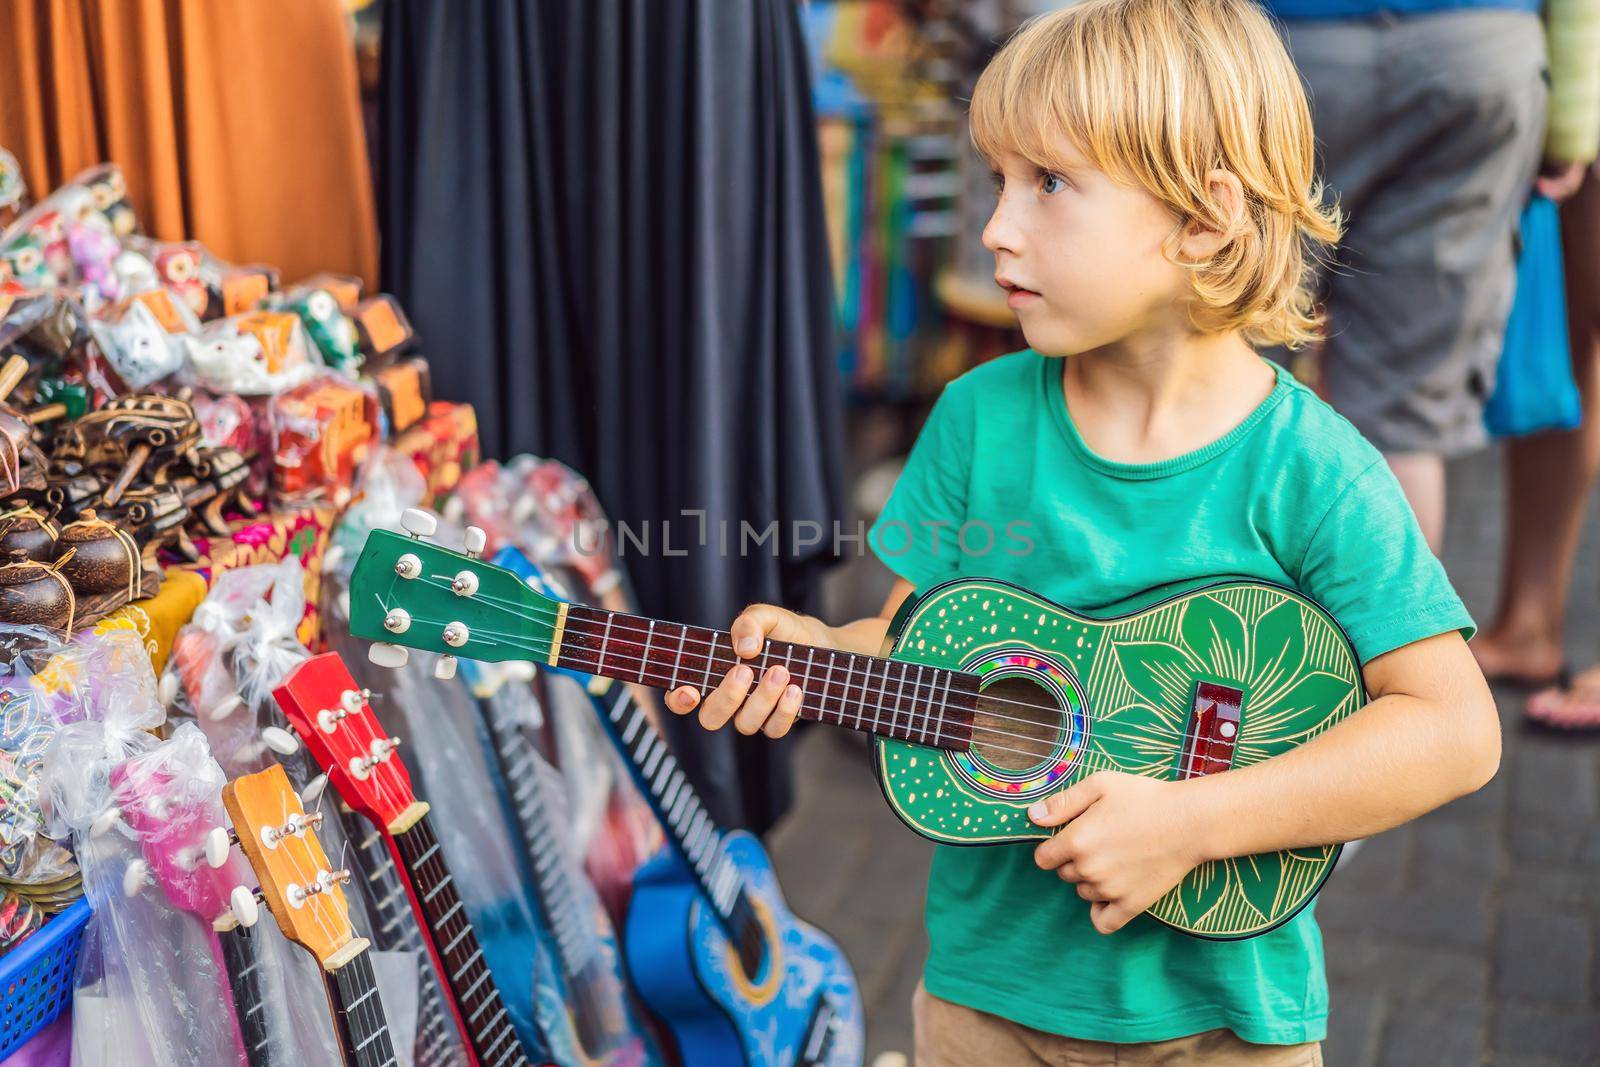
[(1430, 130), (1548, 478)]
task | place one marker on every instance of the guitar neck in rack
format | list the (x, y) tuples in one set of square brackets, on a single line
[(362, 1026), (396, 929), (488, 1024), (519, 760), (239, 944), (891, 698), (688, 825)]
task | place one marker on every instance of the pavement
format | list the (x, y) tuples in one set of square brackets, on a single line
[(1466, 937)]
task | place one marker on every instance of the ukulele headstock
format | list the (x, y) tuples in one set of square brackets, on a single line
[(409, 592), (300, 886), (332, 714), (172, 806)]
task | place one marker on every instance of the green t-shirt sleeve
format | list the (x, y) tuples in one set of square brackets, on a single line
[(916, 534), (1369, 565)]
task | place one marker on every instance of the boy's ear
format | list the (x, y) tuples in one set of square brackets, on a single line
[(1204, 238)]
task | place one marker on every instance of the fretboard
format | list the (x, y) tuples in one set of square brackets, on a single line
[(520, 766), (395, 929), (244, 981), (905, 701), (489, 1030), (363, 1028)]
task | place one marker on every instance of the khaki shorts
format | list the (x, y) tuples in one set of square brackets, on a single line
[(1428, 131), (949, 1035)]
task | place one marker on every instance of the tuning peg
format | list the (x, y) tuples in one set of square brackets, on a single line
[(167, 689), (105, 821), (397, 620), (521, 670), (386, 655), (135, 877), (332, 558), (280, 740), (226, 707), (464, 584), (419, 523), (474, 540), (352, 699), (313, 790), (219, 842), (445, 667), (246, 906), (408, 566), (344, 603), (456, 634)]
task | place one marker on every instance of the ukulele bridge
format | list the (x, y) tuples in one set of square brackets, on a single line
[(1212, 733)]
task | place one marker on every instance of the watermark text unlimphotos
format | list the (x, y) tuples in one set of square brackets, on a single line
[(889, 540)]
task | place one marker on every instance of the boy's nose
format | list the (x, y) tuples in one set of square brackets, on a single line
[(1000, 235)]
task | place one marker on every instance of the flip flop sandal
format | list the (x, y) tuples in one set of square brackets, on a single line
[(1552, 708)]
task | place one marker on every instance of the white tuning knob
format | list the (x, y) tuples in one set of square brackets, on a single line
[(227, 707), (105, 821), (445, 667), (313, 790), (474, 540), (397, 620), (133, 878), (167, 688), (244, 906), (386, 655), (520, 670), (280, 740), (419, 523), (219, 842)]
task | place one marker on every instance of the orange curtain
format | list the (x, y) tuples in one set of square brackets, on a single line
[(236, 122)]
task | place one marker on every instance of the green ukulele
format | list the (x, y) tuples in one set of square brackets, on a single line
[(989, 699)]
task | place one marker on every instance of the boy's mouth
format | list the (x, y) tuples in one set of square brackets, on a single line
[(1016, 295)]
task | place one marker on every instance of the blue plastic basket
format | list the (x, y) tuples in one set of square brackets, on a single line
[(36, 978)]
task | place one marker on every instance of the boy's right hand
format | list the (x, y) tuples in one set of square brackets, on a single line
[(771, 706)]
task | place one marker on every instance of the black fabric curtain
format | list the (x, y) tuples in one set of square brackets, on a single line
[(605, 219)]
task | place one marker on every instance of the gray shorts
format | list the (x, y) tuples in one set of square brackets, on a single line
[(1429, 130)]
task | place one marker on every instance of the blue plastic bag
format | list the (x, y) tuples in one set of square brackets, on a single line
[(1534, 389)]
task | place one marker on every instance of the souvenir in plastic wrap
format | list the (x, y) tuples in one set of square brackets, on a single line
[(405, 389), (137, 346), (110, 192), (32, 864), (344, 288), (383, 328), (256, 353), (328, 326), (322, 431), (442, 445), (13, 189)]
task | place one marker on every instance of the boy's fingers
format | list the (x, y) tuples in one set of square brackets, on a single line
[(759, 704), (1109, 917), (783, 715), (752, 626), (726, 698), (1066, 805), (1056, 852), (682, 701)]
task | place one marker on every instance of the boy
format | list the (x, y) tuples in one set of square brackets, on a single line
[(1155, 220)]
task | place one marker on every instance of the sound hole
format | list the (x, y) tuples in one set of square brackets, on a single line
[(1017, 724)]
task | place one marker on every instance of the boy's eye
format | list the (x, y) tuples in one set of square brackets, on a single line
[(1050, 184), (997, 180)]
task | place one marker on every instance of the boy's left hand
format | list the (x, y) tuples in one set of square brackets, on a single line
[(1125, 842)]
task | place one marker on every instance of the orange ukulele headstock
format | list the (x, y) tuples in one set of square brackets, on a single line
[(298, 883)]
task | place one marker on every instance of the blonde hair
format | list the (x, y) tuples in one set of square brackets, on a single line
[(1158, 93)]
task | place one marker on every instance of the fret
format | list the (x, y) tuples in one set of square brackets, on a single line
[(668, 765), (866, 676), (633, 725), (827, 691), (605, 639), (436, 890), (649, 767), (649, 636), (677, 659), (711, 661), (364, 1031), (938, 722), (899, 693), (239, 960)]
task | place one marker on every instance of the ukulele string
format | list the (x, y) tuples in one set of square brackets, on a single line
[(1138, 745)]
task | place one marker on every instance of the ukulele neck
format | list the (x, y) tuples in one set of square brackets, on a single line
[(477, 997), (904, 701), (244, 982), (363, 1028)]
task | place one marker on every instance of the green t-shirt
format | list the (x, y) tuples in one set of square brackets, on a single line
[(1001, 485)]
